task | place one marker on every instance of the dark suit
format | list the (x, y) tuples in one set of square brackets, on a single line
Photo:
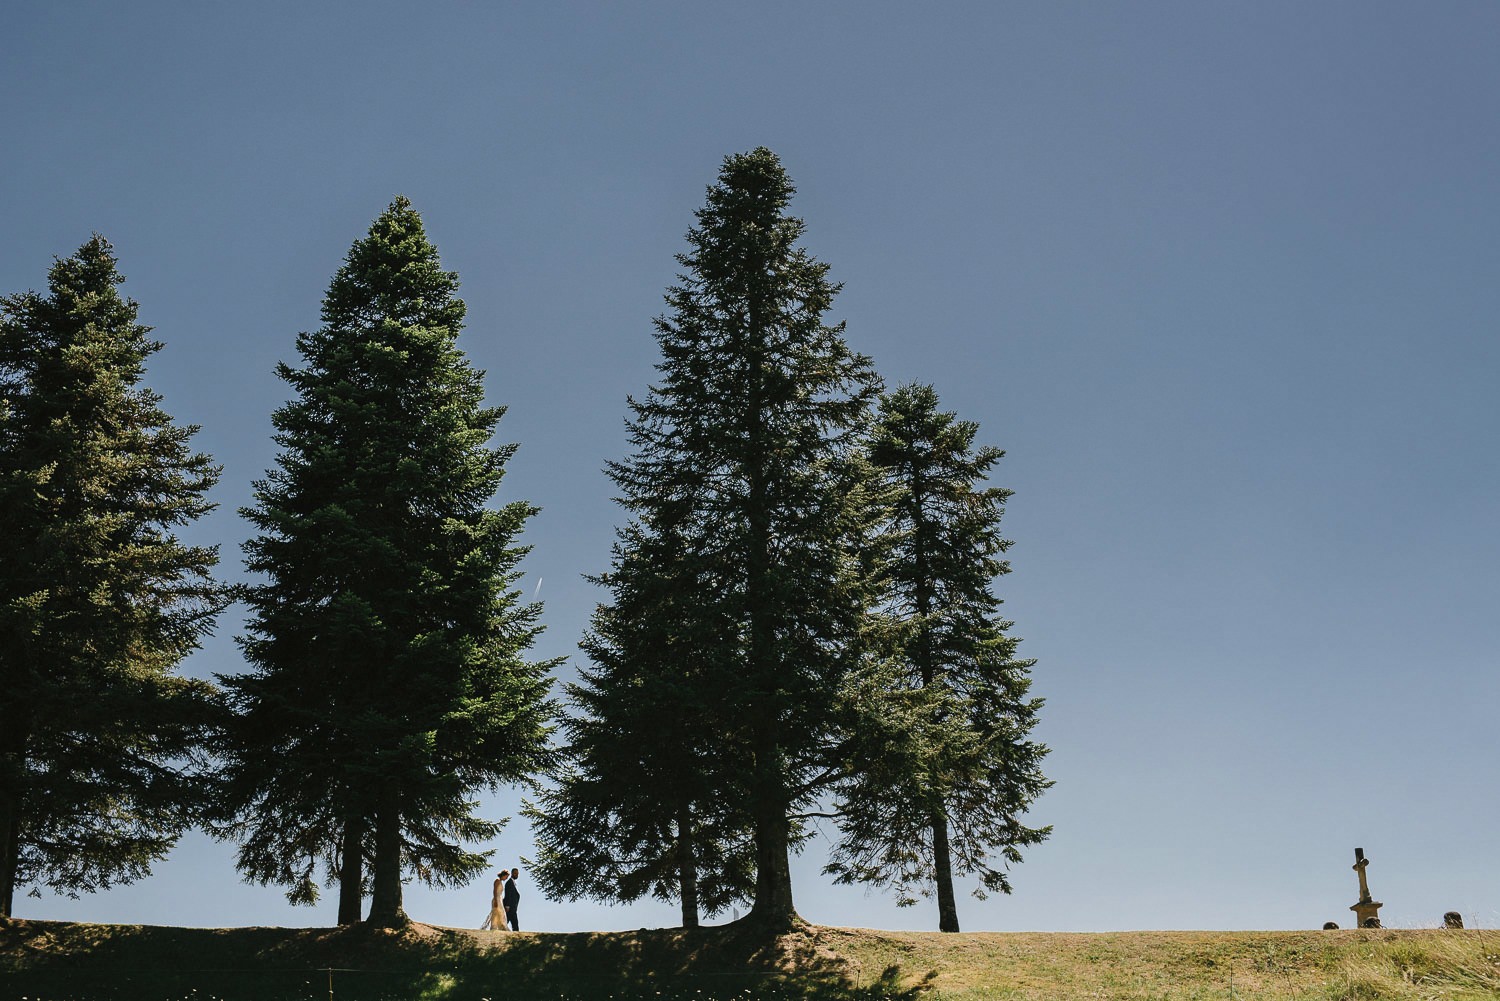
[(512, 898)]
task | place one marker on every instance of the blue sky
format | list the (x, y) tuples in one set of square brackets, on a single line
[(1220, 278)]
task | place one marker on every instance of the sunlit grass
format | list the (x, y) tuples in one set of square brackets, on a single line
[(1451, 966)]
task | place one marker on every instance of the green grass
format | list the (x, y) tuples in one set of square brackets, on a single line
[(56, 961)]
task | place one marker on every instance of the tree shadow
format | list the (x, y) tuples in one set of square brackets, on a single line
[(707, 964), (59, 962)]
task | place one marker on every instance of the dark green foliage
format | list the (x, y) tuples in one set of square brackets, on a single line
[(745, 478), (98, 598), (940, 768), (387, 643), (643, 805)]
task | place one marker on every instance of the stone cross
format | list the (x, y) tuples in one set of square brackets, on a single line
[(1360, 864), (1366, 912)]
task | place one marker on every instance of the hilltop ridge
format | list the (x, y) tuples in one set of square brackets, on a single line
[(64, 961)]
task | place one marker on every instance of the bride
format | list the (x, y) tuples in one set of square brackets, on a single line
[(496, 920)]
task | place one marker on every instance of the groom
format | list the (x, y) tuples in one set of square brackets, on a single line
[(512, 898)]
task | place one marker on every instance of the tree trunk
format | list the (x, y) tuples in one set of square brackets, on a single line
[(773, 878), (773, 909), (943, 874), (10, 818), (942, 854), (773, 906), (352, 872), (10, 850), (385, 901), (687, 868)]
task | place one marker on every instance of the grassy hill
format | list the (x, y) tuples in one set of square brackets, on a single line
[(57, 961)]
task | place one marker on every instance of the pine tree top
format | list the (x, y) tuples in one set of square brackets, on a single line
[(84, 310), (394, 275)]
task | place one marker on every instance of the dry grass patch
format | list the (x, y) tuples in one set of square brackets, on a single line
[(1426, 965)]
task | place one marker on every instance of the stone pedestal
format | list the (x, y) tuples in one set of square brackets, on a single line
[(1365, 910)]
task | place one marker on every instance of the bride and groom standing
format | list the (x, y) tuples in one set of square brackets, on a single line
[(507, 895)]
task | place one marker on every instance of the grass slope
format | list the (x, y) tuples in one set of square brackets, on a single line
[(57, 961)]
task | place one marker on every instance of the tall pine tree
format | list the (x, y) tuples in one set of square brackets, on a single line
[(99, 600), (747, 449), (642, 805), (387, 641), (943, 770)]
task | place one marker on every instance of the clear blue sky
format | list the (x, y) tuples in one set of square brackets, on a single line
[(1221, 279)]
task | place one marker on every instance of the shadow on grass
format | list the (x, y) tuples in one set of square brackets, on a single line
[(106, 963), (704, 965)]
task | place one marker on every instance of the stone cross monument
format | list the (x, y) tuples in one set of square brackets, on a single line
[(1366, 911)]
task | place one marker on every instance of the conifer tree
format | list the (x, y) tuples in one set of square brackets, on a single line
[(747, 448), (99, 600), (642, 803), (941, 772), (386, 641)]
